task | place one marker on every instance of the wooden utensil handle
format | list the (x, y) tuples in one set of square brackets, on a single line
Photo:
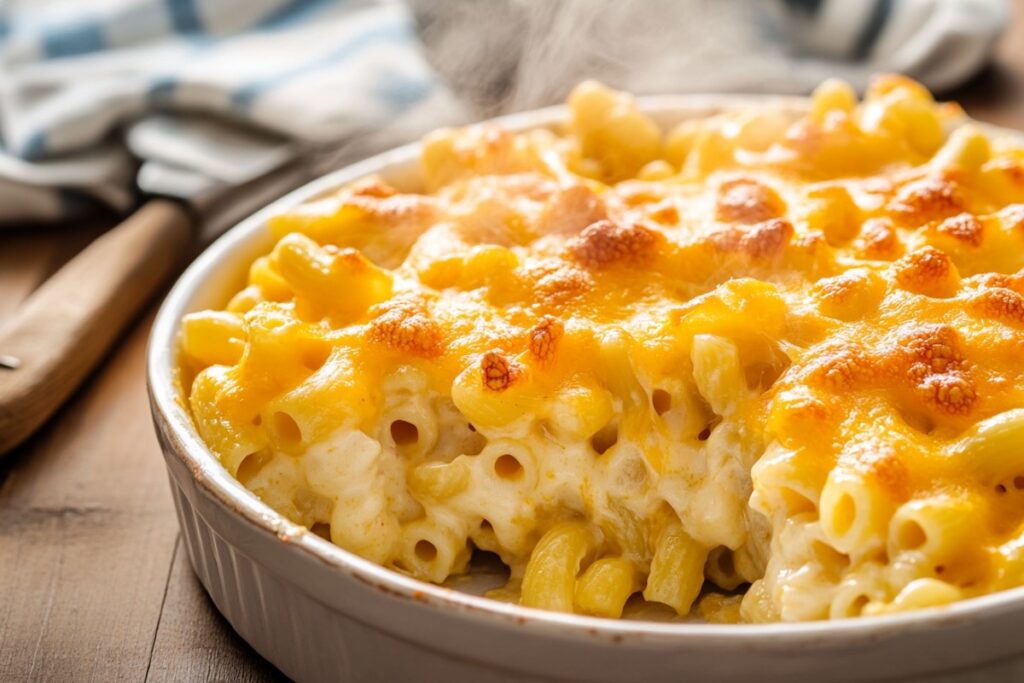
[(63, 329)]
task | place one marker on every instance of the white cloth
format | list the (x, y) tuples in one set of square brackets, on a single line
[(89, 86), (942, 43), (208, 93)]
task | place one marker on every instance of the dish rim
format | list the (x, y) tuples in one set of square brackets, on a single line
[(211, 477)]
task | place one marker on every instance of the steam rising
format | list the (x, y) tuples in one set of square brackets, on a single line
[(501, 56), (510, 55)]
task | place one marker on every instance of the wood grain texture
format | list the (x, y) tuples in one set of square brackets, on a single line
[(62, 330), (94, 584), (194, 642), (31, 254), (88, 536)]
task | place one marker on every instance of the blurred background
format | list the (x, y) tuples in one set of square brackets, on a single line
[(103, 100)]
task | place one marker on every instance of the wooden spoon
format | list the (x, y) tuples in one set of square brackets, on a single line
[(63, 329), (66, 326)]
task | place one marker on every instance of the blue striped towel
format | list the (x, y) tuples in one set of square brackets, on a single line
[(208, 93), (89, 86)]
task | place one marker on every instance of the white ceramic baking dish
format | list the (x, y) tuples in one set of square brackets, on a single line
[(320, 613)]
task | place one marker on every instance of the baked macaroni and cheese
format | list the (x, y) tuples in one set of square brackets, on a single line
[(767, 366)]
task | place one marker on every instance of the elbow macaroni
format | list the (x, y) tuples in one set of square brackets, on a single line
[(770, 353)]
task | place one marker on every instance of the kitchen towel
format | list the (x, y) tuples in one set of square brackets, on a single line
[(101, 97), (212, 91)]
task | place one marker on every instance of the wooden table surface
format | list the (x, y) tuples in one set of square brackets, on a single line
[(94, 582)]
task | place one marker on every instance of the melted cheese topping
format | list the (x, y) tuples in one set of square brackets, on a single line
[(773, 350)]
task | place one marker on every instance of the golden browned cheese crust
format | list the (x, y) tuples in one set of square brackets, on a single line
[(788, 343)]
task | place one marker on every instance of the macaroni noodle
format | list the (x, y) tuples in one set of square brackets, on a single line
[(766, 353)]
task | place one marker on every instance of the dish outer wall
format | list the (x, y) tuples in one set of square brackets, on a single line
[(320, 613)]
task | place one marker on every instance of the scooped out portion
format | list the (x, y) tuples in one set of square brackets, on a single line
[(763, 366)]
